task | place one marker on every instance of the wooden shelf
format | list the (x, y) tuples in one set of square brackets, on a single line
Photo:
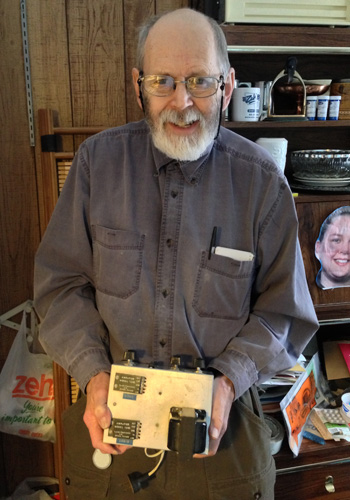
[(311, 453), (287, 36), (288, 124), (321, 197), (77, 130), (259, 52)]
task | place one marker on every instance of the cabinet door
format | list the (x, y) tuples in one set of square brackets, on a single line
[(331, 482), (312, 211)]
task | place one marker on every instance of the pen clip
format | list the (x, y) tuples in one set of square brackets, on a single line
[(212, 241)]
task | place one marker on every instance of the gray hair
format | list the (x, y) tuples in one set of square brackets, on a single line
[(219, 39)]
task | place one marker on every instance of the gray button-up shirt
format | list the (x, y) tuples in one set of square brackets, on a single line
[(124, 263)]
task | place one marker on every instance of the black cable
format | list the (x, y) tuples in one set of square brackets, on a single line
[(139, 82), (222, 88)]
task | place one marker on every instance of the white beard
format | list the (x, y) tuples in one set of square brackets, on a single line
[(182, 148)]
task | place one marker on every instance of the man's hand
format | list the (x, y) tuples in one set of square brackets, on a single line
[(97, 415), (223, 396)]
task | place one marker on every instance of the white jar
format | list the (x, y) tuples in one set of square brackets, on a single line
[(322, 107), (311, 106), (334, 103)]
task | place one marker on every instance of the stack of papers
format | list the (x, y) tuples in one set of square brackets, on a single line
[(273, 391), (296, 406), (288, 377), (330, 423)]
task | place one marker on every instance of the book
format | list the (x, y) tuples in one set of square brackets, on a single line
[(311, 432), (345, 349)]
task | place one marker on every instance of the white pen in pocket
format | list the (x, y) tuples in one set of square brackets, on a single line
[(239, 255)]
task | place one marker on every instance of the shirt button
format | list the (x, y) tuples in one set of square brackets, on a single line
[(174, 194), (165, 293), (67, 481), (193, 180), (162, 342), (169, 242), (257, 495)]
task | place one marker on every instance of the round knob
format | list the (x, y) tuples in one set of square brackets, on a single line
[(329, 484), (199, 363), (175, 361), (129, 356)]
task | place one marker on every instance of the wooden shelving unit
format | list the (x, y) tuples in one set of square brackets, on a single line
[(258, 53)]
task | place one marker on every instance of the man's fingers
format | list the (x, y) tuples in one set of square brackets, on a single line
[(103, 416), (222, 401), (97, 415)]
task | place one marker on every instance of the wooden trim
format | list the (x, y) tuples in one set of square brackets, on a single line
[(50, 196), (48, 167), (77, 130), (62, 402), (64, 155)]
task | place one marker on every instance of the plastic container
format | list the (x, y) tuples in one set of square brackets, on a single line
[(322, 107), (333, 107), (311, 107)]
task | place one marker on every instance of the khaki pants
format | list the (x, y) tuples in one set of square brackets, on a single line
[(242, 469)]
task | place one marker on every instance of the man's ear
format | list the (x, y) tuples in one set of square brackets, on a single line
[(135, 77), (229, 86)]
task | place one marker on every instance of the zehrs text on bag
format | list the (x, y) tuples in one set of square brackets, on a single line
[(32, 389)]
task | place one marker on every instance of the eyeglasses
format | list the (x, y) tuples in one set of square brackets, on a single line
[(164, 85)]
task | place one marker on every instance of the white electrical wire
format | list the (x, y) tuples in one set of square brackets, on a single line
[(160, 453)]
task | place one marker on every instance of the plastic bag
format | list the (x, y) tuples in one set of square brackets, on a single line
[(36, 488), (26, 391)]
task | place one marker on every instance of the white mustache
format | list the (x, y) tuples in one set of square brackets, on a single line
[(180, 117)]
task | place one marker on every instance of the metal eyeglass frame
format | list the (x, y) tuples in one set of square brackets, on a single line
[(221, 86)]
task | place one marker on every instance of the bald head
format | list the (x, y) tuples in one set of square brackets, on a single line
[(183, 27), (180, 22)]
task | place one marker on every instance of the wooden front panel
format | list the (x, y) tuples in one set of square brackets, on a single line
[(311, 484), (19, 227), (312, 211), (96, 61), (48, 50), (311, 468), (135, 12)]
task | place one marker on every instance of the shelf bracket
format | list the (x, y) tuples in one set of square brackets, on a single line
[(27, 75), (5, 319)]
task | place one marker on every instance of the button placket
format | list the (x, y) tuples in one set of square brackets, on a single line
[(166, 268)]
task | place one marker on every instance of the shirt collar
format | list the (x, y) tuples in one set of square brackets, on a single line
[(191, 170)]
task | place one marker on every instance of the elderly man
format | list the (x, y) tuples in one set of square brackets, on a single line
[(132, 259)]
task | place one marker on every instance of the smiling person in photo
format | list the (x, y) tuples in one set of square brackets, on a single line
[(332, 249)]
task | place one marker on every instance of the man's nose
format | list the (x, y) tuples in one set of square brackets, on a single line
[(181, 98)]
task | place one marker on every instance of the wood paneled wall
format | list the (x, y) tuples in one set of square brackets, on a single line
[(81, 54), (84, 53)]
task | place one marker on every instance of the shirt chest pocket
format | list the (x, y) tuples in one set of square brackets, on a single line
[(117, 260), (223, 287)]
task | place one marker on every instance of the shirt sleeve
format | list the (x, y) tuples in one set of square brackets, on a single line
[(71, 331), (282, 318)]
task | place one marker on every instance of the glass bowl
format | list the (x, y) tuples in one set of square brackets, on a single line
[(321, 164)]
